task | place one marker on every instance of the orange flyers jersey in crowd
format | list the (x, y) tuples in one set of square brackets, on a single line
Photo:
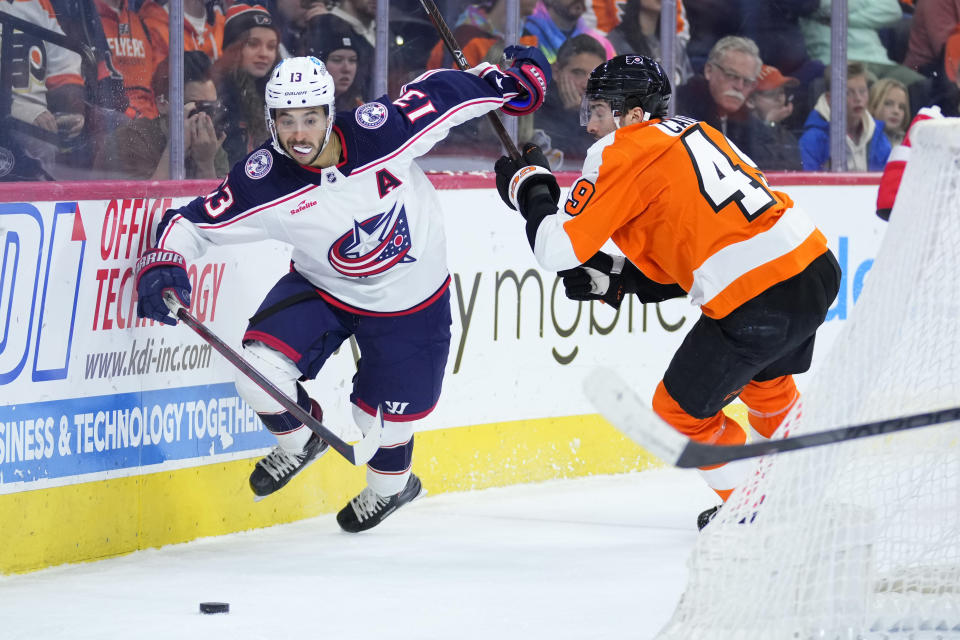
[(132, 55), (36, 66), (609, 14), (209, 39), (687, 207), (474, 45)]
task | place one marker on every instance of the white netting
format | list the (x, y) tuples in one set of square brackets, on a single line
[(859, 540)]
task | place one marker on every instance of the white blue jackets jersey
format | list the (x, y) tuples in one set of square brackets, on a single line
[(368, 233)]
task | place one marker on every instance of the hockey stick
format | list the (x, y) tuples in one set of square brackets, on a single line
[(357, 454), (451, 43), (626, 411)]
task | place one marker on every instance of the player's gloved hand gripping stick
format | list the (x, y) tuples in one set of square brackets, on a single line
[(357, 454)]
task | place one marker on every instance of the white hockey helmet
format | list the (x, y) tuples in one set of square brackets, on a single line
[(295, 83)]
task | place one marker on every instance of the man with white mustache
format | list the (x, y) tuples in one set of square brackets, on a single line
[(718, 97)]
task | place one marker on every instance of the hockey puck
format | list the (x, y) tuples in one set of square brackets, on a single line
[(214, 607)]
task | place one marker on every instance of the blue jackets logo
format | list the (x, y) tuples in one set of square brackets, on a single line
[(373, 246), (259, 164), (371, 115)]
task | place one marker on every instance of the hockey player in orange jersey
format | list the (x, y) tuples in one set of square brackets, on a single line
[(693, 216)]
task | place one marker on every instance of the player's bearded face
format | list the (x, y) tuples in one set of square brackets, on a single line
[(301, 132)]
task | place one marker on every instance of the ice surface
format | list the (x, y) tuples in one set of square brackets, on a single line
[(600, 557)]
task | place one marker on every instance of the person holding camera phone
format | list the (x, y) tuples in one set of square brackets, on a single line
[(140, 150)]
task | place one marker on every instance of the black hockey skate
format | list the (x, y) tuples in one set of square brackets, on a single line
[(706, 516), (279, 466), (369, 508)]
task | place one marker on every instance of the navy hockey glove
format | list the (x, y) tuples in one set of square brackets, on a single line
[(529, 67), (520, 180), (159, 271)]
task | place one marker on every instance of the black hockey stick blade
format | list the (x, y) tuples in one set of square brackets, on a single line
[(626, 411), (451, 44), (357, 454)]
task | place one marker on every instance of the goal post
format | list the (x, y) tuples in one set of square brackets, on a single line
[(858, 540)]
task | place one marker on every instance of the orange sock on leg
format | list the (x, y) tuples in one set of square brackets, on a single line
[(768, 403), (717, 429)]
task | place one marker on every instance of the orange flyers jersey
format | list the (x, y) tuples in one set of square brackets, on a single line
[(132, 55), (609, 13), (687, 207), (156, 19)]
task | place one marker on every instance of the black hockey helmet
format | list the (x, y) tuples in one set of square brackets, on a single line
[(628, 81)]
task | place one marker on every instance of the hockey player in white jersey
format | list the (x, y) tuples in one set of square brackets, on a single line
[(369, 256)]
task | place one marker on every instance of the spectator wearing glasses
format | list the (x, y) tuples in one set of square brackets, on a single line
[(250, 52), (867, 146), (140, 150), (719, 96)]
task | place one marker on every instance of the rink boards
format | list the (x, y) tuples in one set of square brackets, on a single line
[(118, 435)]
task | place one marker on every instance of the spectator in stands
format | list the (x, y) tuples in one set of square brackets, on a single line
[(361, 15), (718, 97), (328, 33), (344, 52), (775, 26), (479, 27), (946, 87), (559, 117), (250, 52), (771, 103), (131, 53), (202, 27), (607, 15), (710, 21), (639, 32), (867, 146), (863, 40), (890, 104), (933, 20), (555, 21), (290, 18), (47, 91), (772, 100), (729, 75), (141, 149)]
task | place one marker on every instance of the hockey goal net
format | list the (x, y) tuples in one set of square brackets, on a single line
[(859, 540)]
